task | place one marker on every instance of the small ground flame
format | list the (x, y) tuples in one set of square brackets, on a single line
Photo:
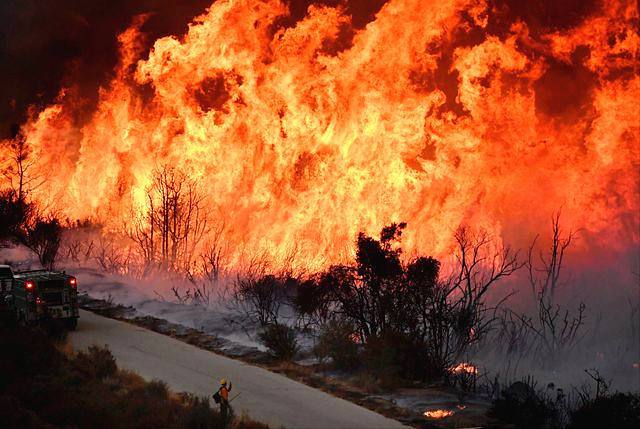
[(438, 414), (469, 368)]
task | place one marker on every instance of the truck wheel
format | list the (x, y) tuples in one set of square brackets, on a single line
[(71, 324)]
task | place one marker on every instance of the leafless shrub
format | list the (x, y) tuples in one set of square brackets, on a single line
[(174, 223), (552, 330), (197, 294), (112, 258), (72, 248), (479, 267), (557, 328), (513, 333), (262, 299), (77, 248), (587, 394), (88, 250), (204, 273), (213, 259)]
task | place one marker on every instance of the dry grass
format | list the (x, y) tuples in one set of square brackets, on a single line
[(46, 385)]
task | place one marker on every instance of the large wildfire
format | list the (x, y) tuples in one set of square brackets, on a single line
[(436, 113)]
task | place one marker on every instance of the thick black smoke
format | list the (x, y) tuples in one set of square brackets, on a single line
[(45, 45)]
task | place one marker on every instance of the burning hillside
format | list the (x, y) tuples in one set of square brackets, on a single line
[(297, 134)]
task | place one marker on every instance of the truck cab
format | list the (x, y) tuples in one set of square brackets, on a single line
[(42, 294)]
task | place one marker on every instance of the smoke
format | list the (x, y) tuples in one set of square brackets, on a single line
[(48, 45), (45, 46)]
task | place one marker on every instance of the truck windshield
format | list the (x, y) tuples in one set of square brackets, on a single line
[(5, 273)]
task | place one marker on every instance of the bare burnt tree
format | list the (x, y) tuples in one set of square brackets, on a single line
[(111, 257), (174, 223), (143, 233), (555, 328), (460, 315), (72, 248), (213, 258), (545, 277), (479, 267), (19, 171), (204, 272), (261, 299)]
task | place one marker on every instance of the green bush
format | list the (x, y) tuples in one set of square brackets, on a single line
[(337, 342), (280, 340)]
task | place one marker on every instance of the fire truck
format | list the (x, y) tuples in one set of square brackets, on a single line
[(38, 295)]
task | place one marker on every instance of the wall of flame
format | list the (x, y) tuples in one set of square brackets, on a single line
[(300, 139)]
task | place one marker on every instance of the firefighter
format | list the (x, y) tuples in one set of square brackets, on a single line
[(225, 408)]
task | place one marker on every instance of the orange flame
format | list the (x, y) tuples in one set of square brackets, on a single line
[(299, 144), (438, 414), (465, 367)]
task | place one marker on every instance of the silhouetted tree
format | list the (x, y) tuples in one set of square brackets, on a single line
[(312, 303), (369, 293), (554, 329), (409, 313), (14, 215), (43, 238), (19, 170), (262, 299)]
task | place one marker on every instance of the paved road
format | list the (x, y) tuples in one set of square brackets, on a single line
[(266, 396)]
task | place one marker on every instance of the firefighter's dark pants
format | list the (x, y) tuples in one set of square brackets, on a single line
[(225, 410)]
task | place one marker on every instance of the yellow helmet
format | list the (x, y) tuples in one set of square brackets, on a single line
[(223, 381)]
